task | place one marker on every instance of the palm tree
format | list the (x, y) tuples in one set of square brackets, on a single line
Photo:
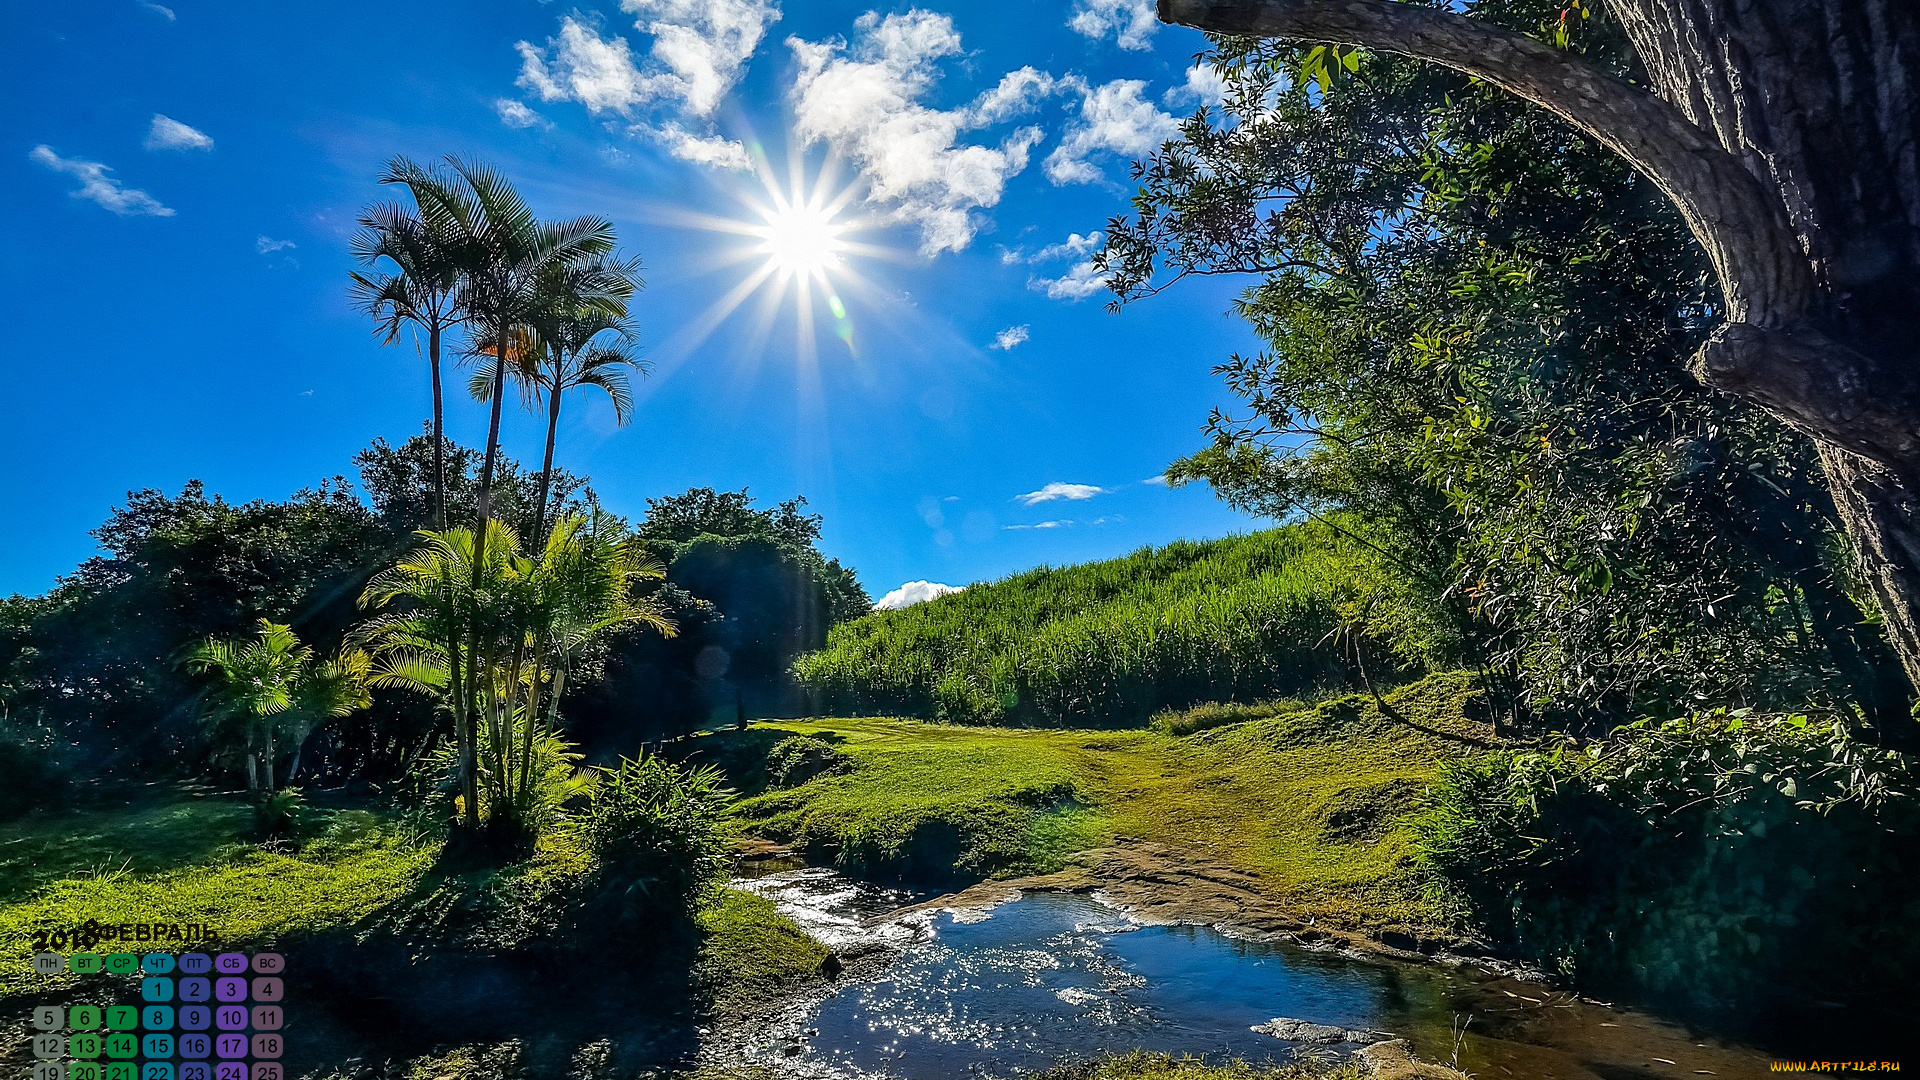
[(547, 608), (569, 344), (422, 290), (271, 688), (502, 251)]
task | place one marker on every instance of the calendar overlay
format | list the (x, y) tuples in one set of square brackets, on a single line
[(201, 1016)]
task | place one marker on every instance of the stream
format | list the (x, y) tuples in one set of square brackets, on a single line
[(1012, 988)]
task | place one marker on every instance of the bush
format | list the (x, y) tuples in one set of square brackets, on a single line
[(657, 833), (796, 760), (281, 813), (1707, 862)]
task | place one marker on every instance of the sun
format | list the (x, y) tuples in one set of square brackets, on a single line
[(801, 239)]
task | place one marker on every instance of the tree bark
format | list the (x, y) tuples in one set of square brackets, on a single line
[(1787, 132), (439, 433)]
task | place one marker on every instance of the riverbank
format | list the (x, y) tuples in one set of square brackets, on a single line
[(1298, 815)]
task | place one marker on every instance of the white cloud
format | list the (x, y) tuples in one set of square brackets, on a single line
[(1010, 337), (516, 114), (703, 44), (161, 10), (700, 49), (267, 245), (580, 65), (914, 592), (1205, 85), (1017, 93), (1131, 22), (170, 134), (714, 150), (1113, 117), (864, 98), (1080, 281), (1058, 490), (99, 188), (1074, 246), (1158, 481), (1063, 523)]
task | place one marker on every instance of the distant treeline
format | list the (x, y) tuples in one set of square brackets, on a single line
[(91, 674), (1107, 642)]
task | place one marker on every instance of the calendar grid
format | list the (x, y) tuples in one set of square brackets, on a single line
[(200, 1016)]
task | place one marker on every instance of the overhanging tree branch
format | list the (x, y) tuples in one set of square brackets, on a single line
[(1765, 277), (1763, 273)]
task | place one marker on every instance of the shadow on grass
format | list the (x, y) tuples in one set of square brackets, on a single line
[(139, 830), (477, 957), (742, 754)]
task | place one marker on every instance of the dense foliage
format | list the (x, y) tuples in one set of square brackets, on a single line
[(91, 674), (1716, 861), (749, 590), (1477, 323), (1106, 642), (657, 834)]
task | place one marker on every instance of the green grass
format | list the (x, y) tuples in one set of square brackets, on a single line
[(930, 800), (158, 830), (247, 895), (1314, 800), (1103, 643), (751, 952), (178, 855)]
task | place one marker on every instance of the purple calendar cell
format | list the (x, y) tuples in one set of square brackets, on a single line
[(230, 1070), (267, 1018), (195, 1046), (230, 1018), (195, 963), (231, 963), (195, 989), (196, 1018), (268, 988), (234, 989), (231, 1045), (267, 1044)]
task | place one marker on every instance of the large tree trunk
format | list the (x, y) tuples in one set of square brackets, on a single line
[(1788, 134)]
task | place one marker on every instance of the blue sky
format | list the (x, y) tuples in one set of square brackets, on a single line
[(181, 180)]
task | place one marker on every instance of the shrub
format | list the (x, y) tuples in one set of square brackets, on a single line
[(657, 833), (1706, 861), (796, 760)]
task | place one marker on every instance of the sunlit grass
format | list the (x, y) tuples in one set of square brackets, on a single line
[(1314, 800)]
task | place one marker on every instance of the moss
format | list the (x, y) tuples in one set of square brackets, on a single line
[(751, 952), (1314, 799)]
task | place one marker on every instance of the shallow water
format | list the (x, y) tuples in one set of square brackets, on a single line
[(1046, 977)]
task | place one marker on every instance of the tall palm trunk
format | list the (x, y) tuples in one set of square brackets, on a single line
[(439, 432), (546, 463), (483, 513)]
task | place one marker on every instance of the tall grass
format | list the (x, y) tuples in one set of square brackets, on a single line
[(1104, 643)]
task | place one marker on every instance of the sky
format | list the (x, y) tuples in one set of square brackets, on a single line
[(866, 234)]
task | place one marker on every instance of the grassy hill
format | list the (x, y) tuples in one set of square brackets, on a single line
[(1104, 643), (1313, 802)]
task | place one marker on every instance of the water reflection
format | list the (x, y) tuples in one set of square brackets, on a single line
[(1049, 977)]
